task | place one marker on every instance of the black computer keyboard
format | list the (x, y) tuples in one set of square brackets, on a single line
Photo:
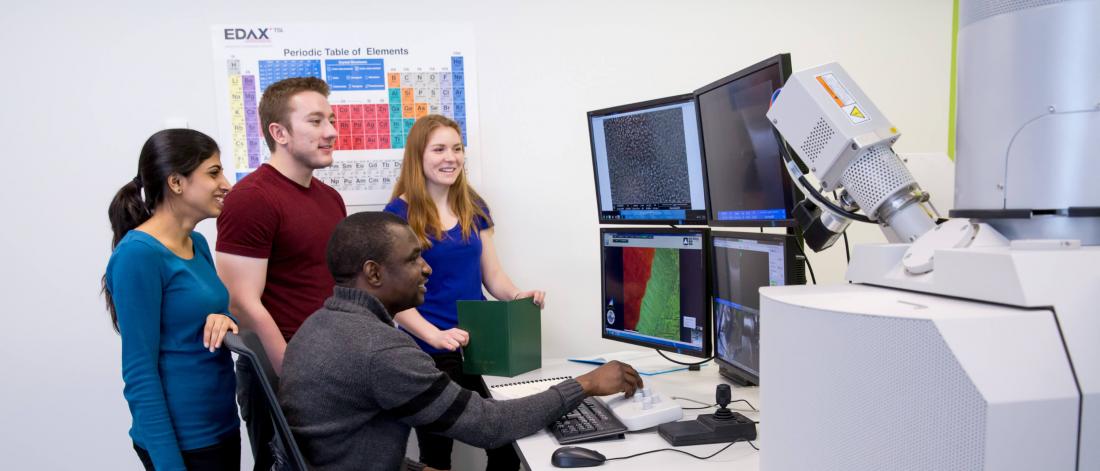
[(591, 420)]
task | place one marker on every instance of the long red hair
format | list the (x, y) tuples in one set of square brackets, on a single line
[(461, 197)]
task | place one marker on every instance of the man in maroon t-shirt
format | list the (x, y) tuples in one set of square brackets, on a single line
[(273, 231)]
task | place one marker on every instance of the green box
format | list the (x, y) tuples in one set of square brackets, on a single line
[(505, 337)]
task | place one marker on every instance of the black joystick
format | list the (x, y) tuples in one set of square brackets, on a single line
[(722, 396), (723, 426)]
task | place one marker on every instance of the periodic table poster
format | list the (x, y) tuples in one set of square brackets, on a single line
[(382, 76)]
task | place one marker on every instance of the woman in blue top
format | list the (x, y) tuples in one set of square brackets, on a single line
[(453, 224), (171, 309)]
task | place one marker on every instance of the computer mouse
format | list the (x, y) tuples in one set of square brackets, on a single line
[(576, 457)]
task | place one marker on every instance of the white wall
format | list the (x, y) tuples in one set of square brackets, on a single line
[(85, 83)]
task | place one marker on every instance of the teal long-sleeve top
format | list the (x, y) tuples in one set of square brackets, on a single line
[(181, 396)]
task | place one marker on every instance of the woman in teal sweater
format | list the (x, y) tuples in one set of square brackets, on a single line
[(171, 309)]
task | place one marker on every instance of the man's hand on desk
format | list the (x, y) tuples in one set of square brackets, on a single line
[(610, 378)]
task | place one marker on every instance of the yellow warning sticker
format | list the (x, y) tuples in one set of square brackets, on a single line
[(855, 114)]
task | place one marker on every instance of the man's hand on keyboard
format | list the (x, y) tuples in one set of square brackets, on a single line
[(610, 378)]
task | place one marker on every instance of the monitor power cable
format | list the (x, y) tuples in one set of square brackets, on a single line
[(692, 366)]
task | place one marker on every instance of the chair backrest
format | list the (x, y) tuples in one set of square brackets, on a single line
[(248, 346)]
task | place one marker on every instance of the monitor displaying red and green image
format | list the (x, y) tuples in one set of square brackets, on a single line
[(655, 289)]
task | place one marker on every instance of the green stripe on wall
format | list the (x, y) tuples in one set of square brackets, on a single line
[(954, 60)]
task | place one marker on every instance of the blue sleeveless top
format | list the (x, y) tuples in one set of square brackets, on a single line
[(456, 272)]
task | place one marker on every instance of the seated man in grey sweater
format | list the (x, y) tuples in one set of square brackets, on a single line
[(353, 385)]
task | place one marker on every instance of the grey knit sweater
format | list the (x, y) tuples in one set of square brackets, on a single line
[(353, 386)]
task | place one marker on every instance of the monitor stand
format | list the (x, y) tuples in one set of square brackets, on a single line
[(736, 376)]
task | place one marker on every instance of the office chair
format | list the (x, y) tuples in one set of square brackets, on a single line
[(287, 455)]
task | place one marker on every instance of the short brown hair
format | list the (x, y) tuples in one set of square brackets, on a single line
[(275, 107)]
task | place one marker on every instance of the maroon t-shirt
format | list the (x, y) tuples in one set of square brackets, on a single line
[(268, 215)]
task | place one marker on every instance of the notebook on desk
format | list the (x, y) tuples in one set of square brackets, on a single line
[(520, 389)]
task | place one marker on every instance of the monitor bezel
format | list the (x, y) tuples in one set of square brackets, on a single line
[(791, 195), (682, 98), (708, 327), (791, 276)]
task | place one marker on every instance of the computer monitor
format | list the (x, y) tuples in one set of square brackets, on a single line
[(648, 162), (655, 288), (742, 263), (747, 183)]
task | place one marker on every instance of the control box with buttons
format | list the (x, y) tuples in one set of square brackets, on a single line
[(645, 409)]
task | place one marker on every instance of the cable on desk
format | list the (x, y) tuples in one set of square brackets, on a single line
[(708, 406), (712, 455), (747, 403), (705, 405), (695, 364), (693, 400)]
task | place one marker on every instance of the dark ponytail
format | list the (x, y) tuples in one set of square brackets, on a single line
[(168, 152), (127, 210)]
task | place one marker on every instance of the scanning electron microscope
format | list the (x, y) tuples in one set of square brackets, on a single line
[(964, 343)]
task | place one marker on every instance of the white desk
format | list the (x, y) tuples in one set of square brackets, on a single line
[(535, 450)]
